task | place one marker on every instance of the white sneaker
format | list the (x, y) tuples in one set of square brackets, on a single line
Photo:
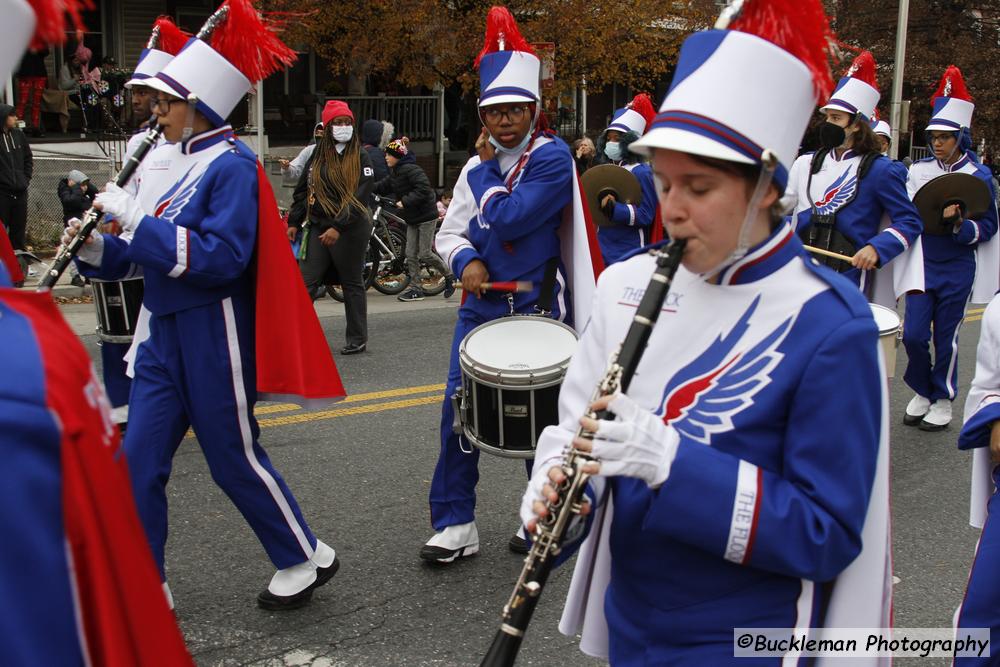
[(292, 587), (938, 417), (452, 543), (916, 409)]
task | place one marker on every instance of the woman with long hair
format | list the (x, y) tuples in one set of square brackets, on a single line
[(330, 206)]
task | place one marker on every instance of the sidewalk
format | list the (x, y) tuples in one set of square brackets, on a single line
[(63, 288)]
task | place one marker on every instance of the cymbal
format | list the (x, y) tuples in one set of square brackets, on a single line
[(606, 179), (965, 189)]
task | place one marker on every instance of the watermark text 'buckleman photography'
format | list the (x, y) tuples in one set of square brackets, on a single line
[(861, 642)]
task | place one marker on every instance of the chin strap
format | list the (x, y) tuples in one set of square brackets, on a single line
[(188, 132), (769, 163)]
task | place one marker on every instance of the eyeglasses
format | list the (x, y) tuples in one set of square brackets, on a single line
[(513, 114), (162, 104), (940, 138)]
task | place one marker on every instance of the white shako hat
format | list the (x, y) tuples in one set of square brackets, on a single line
[(508, 66), (165, 42), (736, 96), (37, 24), (882, 127), (635, 116), (221, 74), (951, 105), (857, 92)]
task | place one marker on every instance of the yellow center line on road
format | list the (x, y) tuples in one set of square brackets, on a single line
[(973, 311), (345, 412), (973, 318), (355, 398)]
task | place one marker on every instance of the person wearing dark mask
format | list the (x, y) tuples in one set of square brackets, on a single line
[(16, 167), (958, 261), (417, 205), (633, 225), (850, 199), (371, 141), (331, 206)]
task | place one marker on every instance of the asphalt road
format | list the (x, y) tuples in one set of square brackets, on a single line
[(361, 473)]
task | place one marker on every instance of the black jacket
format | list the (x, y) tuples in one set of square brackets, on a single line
[(75, 201), (320, 217), (371, 136), (408, 183), (15, 156)]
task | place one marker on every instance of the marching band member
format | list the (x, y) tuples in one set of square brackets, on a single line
[(721, 501), (849, 200), (634, 225), (506, 222), (219, 281), (981, 433), (166, 41), (958, 265), (77, 581), (884, 135)]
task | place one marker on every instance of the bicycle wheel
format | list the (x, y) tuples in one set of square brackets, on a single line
[(336, 293), (431, 280), (391, 278)]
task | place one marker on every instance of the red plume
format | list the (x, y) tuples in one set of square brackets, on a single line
[(642, 105), (863, 69), (50, 20), (799, 27), (250, 43), (952, 85), (172, 38), (500, 23)]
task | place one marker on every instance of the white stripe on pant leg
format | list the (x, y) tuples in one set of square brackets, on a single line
[(803, 619), (949, 383), (243, 413)]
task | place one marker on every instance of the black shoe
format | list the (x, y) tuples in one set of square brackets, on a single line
[(911, 420), (353, 349), (449, 286), (411, 295), (518, 544), (268, 600), (443, 556), (77, 281)]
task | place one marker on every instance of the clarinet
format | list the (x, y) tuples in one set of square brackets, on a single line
[(551, 530), (93, 216)]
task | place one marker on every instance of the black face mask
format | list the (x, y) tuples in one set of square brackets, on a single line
[(831, 136)]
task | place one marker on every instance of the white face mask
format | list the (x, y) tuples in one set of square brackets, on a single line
[(510, 151), (613, 150), (343, 133)]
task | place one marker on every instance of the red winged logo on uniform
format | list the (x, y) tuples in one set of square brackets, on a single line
[(838, 194), (708, 393)]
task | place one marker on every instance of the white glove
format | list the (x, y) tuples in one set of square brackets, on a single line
[(539, 478), (92, 253), (637, 444), (122, 205)]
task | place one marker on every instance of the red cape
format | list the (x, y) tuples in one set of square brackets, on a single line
[(294, 362), (123, 612), (8, 258)]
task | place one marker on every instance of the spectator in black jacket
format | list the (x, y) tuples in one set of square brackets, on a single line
[(330, 204), (76, 194), (15, 175), (417, 204), (371, 136)]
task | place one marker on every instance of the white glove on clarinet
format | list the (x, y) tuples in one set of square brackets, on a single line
[(91, 252), (637, 444), (539, 478), (122, 205)]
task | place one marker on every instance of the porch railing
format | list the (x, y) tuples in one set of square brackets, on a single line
[(414, 116)]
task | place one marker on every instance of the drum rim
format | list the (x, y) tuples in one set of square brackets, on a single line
[(892, 330), (497, 451), (538, 378)]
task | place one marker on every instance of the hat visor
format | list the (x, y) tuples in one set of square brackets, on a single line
[(676, 139), (138, 82), (505, 99), (162, 86), (833, 106), (940, 127)]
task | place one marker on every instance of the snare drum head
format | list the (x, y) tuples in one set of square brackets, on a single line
[(520, 344), (886, 319)]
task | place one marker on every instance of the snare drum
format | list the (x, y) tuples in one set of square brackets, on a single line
[(117, 304), (512, 369), (889, 324)]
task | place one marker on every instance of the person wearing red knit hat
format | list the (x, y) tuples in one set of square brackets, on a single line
[(330, 206)]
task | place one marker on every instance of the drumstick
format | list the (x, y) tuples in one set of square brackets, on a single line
[(828, 253), (505, 286)]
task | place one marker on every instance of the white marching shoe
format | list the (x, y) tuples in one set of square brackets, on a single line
[(938, 417), (452, 543), (292, 587), (916, 409)]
